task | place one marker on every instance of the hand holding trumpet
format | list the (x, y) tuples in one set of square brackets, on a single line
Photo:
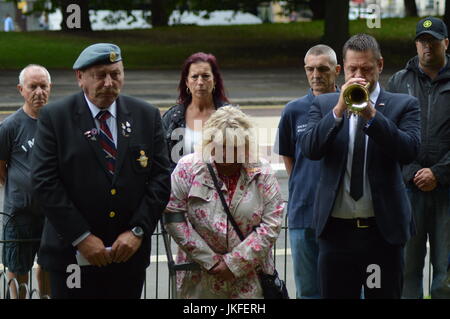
[(354, 98)]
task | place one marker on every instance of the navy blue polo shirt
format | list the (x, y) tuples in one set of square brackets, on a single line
[(305, 173)]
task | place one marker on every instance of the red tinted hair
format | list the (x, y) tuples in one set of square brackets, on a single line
[(219, 91)]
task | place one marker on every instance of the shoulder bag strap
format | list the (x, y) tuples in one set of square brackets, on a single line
[(224, 203)]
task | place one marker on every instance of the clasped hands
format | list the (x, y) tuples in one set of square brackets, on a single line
[(222, 271), (425, 180), (125, 246)]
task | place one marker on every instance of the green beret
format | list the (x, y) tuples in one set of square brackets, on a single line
[(99, 53)]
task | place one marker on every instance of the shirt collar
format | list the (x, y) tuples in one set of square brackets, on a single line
[(95, 109), (312, 96), (374, 95)]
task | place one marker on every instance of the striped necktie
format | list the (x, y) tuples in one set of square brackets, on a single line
[(106, 141)]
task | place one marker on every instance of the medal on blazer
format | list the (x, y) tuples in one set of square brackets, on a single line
[(126, 129), (91, 134), (143, 160)]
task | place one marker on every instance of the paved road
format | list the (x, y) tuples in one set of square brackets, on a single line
[(245, 87)]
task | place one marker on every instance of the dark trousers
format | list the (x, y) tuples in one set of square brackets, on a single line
[(345, 255), (110, 282)]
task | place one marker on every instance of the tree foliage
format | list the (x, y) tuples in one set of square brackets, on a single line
[(157, 12)]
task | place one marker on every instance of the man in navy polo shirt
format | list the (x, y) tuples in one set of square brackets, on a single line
[(322, 71)]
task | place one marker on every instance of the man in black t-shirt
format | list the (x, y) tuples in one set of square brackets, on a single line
[(16, 142)]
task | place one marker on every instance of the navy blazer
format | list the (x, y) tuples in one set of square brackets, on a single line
[(394, 139), (76, 192)]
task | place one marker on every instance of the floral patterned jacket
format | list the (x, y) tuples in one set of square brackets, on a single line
[(206, 234)]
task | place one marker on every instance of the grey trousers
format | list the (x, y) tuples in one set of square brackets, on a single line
[(432, 216)]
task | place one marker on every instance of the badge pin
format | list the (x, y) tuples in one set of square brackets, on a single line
[(91, 134), (126, 129), (143, 160), (112, 56)]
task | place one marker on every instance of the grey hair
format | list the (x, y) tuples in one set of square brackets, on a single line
[(29, 66), (322, 49), (362, 42)]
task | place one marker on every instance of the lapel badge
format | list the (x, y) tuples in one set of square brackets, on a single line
[(91, 134), (126, 128), (143, 160)]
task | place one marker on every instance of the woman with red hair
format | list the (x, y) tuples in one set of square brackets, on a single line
[(201, 93)]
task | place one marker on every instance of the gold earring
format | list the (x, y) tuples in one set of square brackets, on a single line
[(188, 91)]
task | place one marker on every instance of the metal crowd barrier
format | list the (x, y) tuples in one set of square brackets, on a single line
[(160, 281), (173, 268), (161, 274), (30, 292)]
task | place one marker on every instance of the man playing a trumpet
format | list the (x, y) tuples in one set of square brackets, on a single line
[(362, 215)]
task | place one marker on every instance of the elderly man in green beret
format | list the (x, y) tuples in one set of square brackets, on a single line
[(100, 174)]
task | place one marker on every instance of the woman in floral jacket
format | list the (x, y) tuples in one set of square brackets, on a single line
[(197, 221)]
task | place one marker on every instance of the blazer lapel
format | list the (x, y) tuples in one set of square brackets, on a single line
[(380, 104), (124, 131), (343, 138), (380, 107), (85, 121)]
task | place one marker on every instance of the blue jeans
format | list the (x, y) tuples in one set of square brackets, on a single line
[(305, 253), (431, 213)]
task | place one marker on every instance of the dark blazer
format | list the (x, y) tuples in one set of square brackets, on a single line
[(394, 139), (74, 189)]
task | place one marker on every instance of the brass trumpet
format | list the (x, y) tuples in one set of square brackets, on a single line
[(356, 96)]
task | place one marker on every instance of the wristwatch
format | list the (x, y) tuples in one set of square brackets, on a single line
[(138, 231)]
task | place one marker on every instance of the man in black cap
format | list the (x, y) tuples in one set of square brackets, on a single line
[(100, 174), (427, 77)]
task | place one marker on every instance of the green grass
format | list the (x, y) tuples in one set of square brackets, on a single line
[(249, 46)]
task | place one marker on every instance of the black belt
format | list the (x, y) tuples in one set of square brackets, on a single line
[(355, 222)]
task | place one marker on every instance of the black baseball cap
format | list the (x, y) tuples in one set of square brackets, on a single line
[(433, 26)]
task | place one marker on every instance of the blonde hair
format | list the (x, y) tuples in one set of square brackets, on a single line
[(232, 127)]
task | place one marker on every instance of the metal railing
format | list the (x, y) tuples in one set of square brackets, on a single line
[(173, 267), (25, 289), (160, 277)]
